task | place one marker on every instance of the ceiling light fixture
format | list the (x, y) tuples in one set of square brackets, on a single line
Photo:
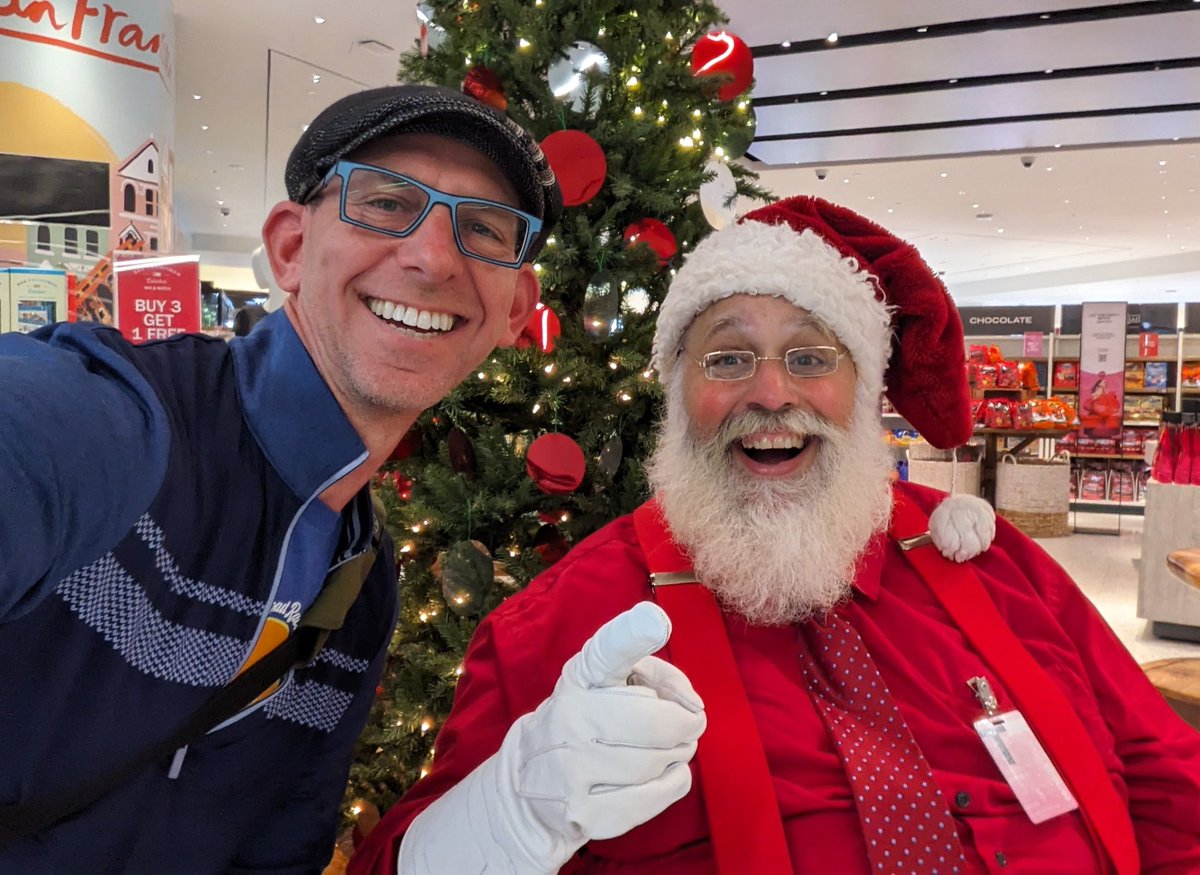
[(318, 19), (787, 44), (832, 38), (195, 97), (316, 78)]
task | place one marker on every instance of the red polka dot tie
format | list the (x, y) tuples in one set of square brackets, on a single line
[(906, 822)]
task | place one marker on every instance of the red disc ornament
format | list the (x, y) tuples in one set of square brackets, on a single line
[(654, 234), (725, 59), (540, 330), (556, 464), (578, 162), (484, 85)]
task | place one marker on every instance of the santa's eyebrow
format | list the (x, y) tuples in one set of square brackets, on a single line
[(735, 322)]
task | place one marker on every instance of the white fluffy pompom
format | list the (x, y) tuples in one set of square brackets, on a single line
[(962, 527)]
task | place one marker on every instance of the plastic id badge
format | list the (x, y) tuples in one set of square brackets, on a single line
[(1024, 764)]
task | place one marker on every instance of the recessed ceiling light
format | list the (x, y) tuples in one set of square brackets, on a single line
[(1048, 72), (1048, 169), (890, 210), (999, 230), (953, 81), (195, 97), (204, 127), (832, 38), (220, 203), (1162, 163), (787, 44), (318, 19), (316, 78), (847, 179), (926, 29), (943, 174)]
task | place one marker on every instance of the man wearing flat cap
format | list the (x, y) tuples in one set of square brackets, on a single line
[(893, 680), (195, 600)]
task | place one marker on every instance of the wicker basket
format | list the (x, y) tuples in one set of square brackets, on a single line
[(938, 474), (1034, 495)]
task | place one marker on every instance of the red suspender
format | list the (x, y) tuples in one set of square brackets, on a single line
[(739, 797), (1042, 702)]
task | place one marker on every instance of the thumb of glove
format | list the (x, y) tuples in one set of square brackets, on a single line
[(608, 658)]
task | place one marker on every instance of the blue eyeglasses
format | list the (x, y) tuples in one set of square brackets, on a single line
[(396, 205)]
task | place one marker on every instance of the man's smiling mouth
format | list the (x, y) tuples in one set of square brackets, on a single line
[(411, 317)]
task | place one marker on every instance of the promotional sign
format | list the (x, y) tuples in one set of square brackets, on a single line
[(979, 321), (36, 298), (1158, 318), (1035, 344), (158, 297), (1102, 369)]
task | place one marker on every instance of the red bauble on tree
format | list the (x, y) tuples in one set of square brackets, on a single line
[(409, 444), (484, 85), (727, 60), (578, 162), (556, 464), (654, 234), (540, 330)]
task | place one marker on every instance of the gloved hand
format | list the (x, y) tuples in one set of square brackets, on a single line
[(606, 751)]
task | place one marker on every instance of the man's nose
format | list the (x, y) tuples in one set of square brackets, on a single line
[(771, 387), (432, 247)]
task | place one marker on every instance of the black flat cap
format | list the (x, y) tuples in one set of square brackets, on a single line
[(359, 118)]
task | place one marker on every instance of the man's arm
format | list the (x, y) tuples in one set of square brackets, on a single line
[(83, 447)]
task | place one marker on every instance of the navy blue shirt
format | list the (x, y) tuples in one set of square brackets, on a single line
[(160, 504)]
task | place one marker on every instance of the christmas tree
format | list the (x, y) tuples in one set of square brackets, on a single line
[(544, 444)]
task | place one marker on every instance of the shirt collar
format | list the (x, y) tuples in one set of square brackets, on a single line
[(289, 408)]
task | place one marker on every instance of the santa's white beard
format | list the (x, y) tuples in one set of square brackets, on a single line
[(774, 551)]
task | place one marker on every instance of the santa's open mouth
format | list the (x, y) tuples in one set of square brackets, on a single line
[(773, 449), (410, 318)]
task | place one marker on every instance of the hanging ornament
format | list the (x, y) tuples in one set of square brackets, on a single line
[(635, 300), (568, 76), (602, 306), (578, 162), (736, 139), (556, 464), (725, 60), (484, 85), (467, 572), (409, 444), (654, 234), (718, 196), (550, 544), (540, 329), (462, 454), (610, 456), (432, 34)]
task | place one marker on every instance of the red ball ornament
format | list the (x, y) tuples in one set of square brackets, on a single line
[(654, 234), (550, 544), (578, 162), (484, 85), (556, 464), (540, 330), (726, 59)]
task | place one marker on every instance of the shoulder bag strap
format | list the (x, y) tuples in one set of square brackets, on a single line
[(1041, 700), (735, 780)]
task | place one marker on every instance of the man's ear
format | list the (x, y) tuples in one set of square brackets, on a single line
[(283, 240), (527, 293)]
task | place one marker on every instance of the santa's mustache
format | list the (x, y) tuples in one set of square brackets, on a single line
[(750, 422)]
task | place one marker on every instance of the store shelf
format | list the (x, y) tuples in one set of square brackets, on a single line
[(1150, 358), (1093, 505), (1138, 457), (1141, 424), (1170, 390)]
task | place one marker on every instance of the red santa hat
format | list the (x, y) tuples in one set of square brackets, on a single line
[(873, 290)]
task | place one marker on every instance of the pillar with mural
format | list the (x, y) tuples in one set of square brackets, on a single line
[(87, 123)]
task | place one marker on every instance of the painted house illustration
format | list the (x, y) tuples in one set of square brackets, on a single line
[(137, 198), (53, 210)]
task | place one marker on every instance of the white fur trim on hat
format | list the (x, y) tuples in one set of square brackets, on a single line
[(755, 258)]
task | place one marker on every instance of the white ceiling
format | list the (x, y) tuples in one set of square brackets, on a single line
[(1108, 210)]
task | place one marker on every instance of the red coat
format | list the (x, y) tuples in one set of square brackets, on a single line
[(1152, 757)]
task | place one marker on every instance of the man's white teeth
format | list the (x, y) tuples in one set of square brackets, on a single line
[(779, 442), (411, 316)]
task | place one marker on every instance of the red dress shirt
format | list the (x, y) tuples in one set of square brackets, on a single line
[(1152, 756)]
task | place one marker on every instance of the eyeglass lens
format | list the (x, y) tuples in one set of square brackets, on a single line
[(396, 206), (803, 361)]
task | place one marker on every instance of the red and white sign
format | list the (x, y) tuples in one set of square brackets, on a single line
[(158, 298)]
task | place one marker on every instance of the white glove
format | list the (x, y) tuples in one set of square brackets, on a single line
[(606, 751)]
